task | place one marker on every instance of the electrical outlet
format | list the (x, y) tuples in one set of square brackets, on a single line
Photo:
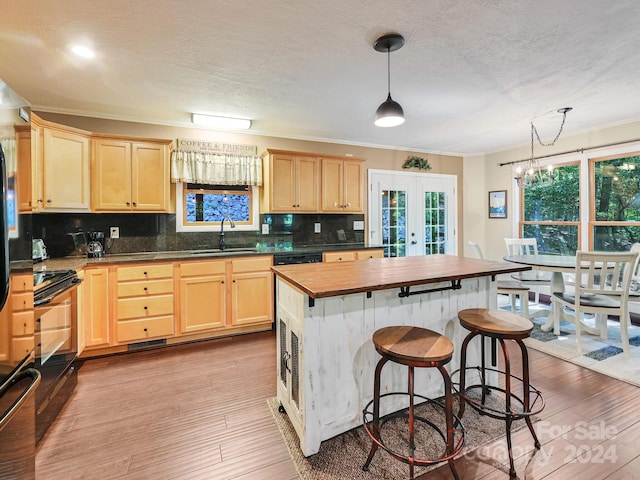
[(114, 232), (265, 229), (317, 228), (358, 225)]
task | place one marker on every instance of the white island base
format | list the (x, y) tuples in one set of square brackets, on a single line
[(326, 359)]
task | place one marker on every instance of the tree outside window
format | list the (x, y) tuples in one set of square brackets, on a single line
[(551, 211), (615, 204)]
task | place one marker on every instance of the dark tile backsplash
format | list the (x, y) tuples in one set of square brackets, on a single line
[(157, 232)]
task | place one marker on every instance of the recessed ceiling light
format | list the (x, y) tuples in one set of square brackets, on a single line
[(82, 51)]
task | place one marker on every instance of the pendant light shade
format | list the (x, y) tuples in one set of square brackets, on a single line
[(389, 113)]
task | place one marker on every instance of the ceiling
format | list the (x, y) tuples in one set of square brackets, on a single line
[(471, 76)]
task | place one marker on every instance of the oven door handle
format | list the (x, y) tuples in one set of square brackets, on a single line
[(17, 404), (43, 301)]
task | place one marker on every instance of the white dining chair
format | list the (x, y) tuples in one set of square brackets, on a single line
[(512, 288), (603, 290), (532, 278)]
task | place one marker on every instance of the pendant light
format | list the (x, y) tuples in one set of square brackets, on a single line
[(389, 113)]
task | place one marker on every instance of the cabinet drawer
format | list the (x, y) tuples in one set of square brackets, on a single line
[(145, 288), (368, 254), (193, 269), (21, 283), (145, 272), (251, 264), (338, 256), (22, 301), (145, 307), (144, 329), (22, 323), (20, 347)]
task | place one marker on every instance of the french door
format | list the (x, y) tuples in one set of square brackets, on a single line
[(412, 213)]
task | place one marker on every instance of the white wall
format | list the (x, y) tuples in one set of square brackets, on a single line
[(490, 233)]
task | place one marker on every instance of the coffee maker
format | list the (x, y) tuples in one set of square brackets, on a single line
[(95, 248)]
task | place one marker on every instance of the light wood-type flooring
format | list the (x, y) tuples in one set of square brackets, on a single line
[(198, 411)]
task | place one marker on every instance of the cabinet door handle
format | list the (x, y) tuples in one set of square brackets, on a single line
[(40, 200), (221, 281), (135, 204), (145, 330), (49, 201), (128, 204), (233, 281), (145, 289), (145, 307)]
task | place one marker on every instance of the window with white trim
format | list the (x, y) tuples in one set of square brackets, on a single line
[(202, 207)]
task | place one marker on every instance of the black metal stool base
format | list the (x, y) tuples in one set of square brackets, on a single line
[(516, 406), (409, 457)]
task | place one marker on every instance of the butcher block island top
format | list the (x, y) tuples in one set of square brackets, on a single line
[(322, 280)]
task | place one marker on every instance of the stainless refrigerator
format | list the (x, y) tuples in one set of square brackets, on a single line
[(18, 378)]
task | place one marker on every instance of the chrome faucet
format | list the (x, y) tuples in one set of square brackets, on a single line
[(231, 223)]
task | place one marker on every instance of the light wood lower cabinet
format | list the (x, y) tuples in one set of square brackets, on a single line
[(349, 255), (203, 303), (217, 294), (124, 304), (19, 307), (251, 290), (144, 305), (96, 309)]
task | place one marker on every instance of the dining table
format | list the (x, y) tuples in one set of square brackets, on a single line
[(557, 265)]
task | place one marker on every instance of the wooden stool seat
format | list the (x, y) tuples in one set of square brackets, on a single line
[(412, 345), (495, 323)]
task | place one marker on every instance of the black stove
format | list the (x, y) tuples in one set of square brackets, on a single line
[(47, 284)]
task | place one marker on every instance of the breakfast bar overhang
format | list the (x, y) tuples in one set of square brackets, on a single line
[(326, 314)]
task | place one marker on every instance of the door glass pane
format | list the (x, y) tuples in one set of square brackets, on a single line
[(394, 222), (435, 237)]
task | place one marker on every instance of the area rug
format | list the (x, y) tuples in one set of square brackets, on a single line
[(603, 356), (342, 457)]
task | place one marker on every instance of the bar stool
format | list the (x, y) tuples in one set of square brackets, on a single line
[(499, 326), (422, 348)]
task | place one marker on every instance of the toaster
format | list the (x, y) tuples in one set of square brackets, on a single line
[(38, 250)]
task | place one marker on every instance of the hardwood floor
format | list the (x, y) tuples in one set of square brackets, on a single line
[(198, 411)]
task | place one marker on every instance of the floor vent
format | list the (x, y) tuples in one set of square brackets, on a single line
[(150, 343)]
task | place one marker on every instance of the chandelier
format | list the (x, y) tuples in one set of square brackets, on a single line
[(532, 175)]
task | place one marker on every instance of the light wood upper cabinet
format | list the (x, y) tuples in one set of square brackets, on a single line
[(296, 182), (341, 186), (291, 183), (129, 176), (59, 167), (23, 173)]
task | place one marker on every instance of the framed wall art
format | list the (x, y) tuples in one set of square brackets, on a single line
[(498, 204)]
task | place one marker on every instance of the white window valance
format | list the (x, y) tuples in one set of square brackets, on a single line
[(213, 163)]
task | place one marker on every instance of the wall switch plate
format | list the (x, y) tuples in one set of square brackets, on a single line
[(358, 224), (114, 232), (317, 228), (265, 229)]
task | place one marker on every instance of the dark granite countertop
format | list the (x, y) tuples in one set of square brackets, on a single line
[(75, 263)]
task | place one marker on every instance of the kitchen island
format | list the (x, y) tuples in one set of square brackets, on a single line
[(326, 315)]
